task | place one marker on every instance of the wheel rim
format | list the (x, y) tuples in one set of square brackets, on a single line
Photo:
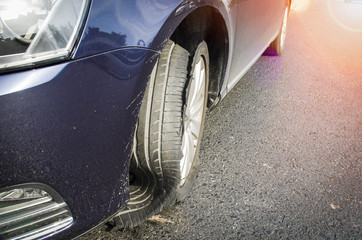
[(284, 28), (193, 117)]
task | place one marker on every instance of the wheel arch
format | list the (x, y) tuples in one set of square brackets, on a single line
[(206, 24), (188, 28)]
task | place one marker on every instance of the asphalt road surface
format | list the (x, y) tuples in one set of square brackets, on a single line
[(282, 152)]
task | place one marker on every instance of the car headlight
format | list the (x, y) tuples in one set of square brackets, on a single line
[(38, 31)]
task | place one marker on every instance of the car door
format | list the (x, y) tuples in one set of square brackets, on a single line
[(257, 24)]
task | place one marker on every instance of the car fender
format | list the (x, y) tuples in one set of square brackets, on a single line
[(139, 23)]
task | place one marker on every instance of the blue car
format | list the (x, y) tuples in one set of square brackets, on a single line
[(102, 103)]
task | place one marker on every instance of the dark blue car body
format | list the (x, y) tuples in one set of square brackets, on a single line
[(70, 124)]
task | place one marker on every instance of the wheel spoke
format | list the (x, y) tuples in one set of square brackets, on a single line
[(195, 128), (196, 109), (192, 147), (201, 85), (188, 149), (183, 163), (196, 84)]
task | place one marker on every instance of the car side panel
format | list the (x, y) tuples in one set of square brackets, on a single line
[(257, 24)]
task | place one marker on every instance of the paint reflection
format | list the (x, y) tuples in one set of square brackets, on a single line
[(23, 80), (96, 40)]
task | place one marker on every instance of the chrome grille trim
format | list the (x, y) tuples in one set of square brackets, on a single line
[(32, 211), (29, 214), (21, 206), (20, 226), (44, 230)]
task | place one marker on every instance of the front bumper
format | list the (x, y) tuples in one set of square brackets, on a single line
[(70, 126)]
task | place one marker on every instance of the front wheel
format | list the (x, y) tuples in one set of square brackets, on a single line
[(168, 134), (173, 118)]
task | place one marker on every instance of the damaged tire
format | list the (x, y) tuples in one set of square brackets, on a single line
[(168, 135)]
